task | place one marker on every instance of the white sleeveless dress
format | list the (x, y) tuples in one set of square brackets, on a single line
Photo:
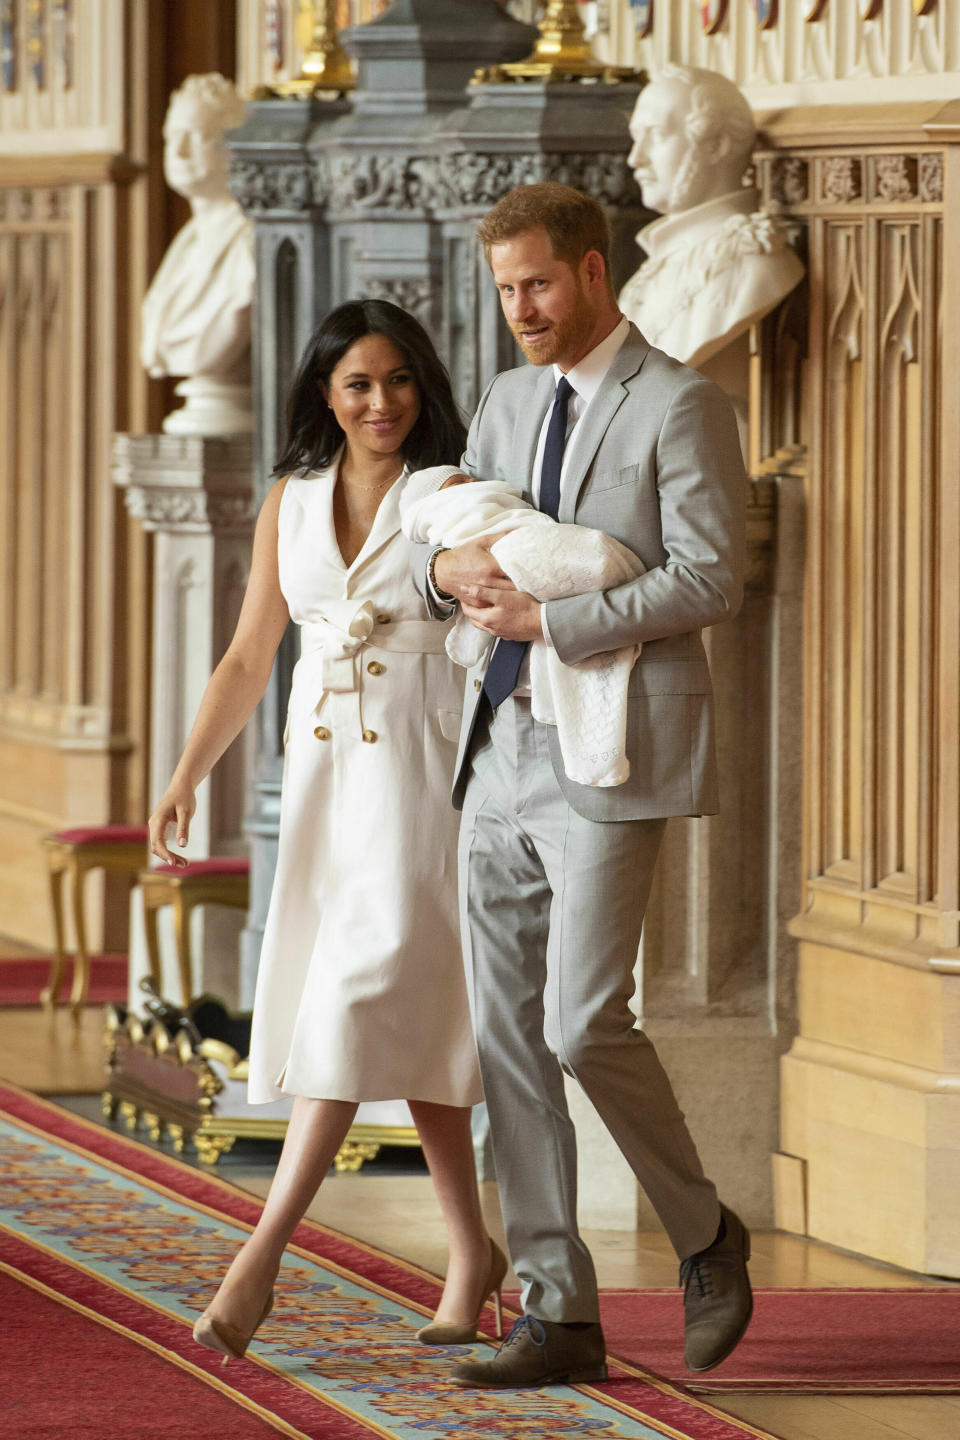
[(361, 992)]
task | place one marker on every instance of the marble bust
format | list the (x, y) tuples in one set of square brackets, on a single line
[(196, 313), (716, 262)]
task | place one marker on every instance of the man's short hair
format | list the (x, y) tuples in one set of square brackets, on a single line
[(575, 223)]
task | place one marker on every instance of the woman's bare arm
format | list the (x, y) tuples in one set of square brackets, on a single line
[(235, 688)]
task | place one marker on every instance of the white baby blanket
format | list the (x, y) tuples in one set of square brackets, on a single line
[(587, 701)]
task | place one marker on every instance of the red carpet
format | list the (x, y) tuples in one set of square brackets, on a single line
[(813, 1341), (22, 980), (109, 1249), (134, 1389)]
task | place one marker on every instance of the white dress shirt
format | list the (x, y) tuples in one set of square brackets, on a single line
[(585, 377)]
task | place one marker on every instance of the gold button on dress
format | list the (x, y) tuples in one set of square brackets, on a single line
[(375, 668)]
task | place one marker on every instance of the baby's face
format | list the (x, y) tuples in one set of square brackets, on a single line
[(458, 479)]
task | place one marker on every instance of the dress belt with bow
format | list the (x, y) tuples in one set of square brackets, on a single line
[(337, 639)]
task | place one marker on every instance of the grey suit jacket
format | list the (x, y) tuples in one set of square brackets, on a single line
[(655, 462)]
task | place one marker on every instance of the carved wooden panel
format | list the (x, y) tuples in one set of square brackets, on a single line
[(879, 811), (57, 410)]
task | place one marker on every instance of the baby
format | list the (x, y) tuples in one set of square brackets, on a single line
[(587, 701)]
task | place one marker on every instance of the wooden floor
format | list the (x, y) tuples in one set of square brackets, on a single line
[(398, 1213)]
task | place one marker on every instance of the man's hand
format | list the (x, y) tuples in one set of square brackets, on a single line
[(510, 614), (470, 565)]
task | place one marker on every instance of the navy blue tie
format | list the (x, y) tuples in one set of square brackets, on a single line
[(504, 668)]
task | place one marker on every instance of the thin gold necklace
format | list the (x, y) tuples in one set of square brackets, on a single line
[(380, 485)]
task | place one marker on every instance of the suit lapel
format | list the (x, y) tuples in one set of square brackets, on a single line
[(527, 431), (596, 420)]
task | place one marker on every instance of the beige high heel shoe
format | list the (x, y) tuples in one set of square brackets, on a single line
[(443, 1332), (224, 1338)]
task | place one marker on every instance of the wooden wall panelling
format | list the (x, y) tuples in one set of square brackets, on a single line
[(871, 1085), (7, 451), (946, 879), (77, 380), (84, 219)]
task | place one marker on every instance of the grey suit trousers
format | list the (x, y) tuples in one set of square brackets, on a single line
[(552, 911)]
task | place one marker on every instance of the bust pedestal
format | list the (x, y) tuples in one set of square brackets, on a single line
[(196, 496), (213, 407)]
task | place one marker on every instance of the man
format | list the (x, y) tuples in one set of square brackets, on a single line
[(603, 430)]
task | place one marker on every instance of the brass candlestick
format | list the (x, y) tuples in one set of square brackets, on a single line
[(326, 66), (561, 53)]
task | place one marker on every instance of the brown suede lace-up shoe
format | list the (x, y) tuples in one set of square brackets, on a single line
[(539, 1352), (717, 1299)]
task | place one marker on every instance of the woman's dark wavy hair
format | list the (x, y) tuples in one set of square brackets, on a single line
[(313, 435)]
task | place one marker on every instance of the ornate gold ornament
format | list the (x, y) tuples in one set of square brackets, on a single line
[(561, 53), (169, 1084), (924, 7), (326, 66), (712, 15), (352, 1155)]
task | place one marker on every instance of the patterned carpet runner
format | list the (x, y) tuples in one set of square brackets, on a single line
[(108, 1250)]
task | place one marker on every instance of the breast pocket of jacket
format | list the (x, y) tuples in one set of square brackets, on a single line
[(603, 481), (618, 501)]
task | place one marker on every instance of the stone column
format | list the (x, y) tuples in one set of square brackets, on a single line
[(383, 174), (270, 176), (414, 62), (195, 496)]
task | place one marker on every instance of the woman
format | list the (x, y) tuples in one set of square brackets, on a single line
[(360, 991)]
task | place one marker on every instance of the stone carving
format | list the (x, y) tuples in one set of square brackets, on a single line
[(930, 171), (896, 177), (467, 178), (197, 509), (414, 293), (472, 178), (716, 263), (196, 314), (841, 179), (173, 507), (452, 179), (366, 180), (788, 180), (258, 188)]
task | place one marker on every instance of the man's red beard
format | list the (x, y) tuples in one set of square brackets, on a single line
[(562, 337)]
